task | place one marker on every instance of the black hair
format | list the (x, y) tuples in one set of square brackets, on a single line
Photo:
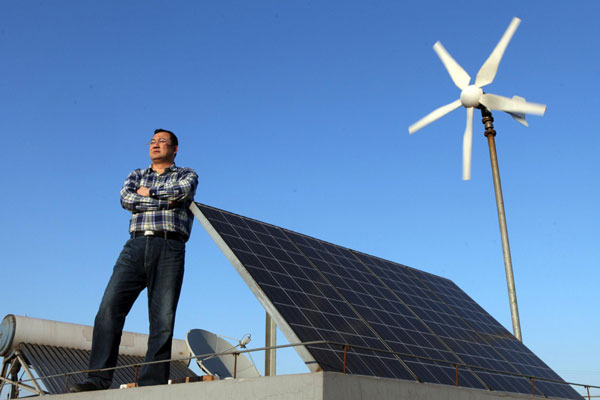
[(174, 141)]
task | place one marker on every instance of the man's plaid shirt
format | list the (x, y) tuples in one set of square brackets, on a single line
[(153, 213)]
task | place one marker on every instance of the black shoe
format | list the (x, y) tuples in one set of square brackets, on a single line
[(83, 387)]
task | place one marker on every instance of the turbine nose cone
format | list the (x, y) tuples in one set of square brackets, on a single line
[(470, 95)]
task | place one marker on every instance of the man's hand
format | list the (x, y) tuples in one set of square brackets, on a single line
[(143, 191)]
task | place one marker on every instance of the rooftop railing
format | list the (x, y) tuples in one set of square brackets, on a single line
[(343, 367)]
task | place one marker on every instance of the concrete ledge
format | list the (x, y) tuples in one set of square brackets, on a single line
[(339, 386), (310, 386), (284, 387)]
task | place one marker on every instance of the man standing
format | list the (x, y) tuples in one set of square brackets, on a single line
[(153, 258)]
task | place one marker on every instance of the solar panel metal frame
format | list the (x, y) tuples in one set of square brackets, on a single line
[(310, 249), (308, 359)]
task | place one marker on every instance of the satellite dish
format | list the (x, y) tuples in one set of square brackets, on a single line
[(472, 96), (202, 342)]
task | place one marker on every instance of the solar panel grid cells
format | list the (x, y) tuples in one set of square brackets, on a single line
[(346, 274), (410, 330), (500, 343), (524, 360), (459, 336), (283, 274), (462, 304), (366, 294), (353, 330), (271, 277), (470, 346)]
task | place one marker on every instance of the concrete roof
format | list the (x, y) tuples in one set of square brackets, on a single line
[(310, 386)]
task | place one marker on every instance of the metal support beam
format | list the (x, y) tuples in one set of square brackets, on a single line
[(270, 341), (29, 374), (14, 374), (3, 375), (11, 366)]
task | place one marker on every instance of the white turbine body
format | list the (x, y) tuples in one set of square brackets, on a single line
[(472, 96)]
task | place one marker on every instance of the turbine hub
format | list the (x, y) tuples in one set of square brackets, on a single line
[(470, 95)]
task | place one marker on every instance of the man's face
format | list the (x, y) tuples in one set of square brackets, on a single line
[(161, 149)]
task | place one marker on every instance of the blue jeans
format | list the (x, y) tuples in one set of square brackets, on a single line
[(145, 262)]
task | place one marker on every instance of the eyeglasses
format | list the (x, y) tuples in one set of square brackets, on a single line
[(159, 141)]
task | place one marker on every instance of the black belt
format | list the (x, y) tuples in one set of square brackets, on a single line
[(162, 234)]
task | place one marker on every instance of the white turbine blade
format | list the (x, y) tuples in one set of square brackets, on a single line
[(501, 103), (467, 145), (457, 73), (434, 115), (519, 117), (488, 70)]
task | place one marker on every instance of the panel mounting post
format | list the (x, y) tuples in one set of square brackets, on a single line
[(270, 341)]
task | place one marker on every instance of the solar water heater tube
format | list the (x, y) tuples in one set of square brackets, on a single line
[(16, 329)]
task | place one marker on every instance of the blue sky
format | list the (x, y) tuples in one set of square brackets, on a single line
[(296, 113)]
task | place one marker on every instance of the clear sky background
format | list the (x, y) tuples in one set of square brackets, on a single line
[(296, 113)]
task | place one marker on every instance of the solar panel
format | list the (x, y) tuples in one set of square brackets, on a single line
[(54, 361), (400, 322)]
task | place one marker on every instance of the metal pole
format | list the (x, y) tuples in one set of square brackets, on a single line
[(270, 341), (490, 133), (345, 357), (456, 374), (14, 372), (235, 357), (588, 390)]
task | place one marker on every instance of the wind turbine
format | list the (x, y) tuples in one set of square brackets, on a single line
[(471, 97)]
